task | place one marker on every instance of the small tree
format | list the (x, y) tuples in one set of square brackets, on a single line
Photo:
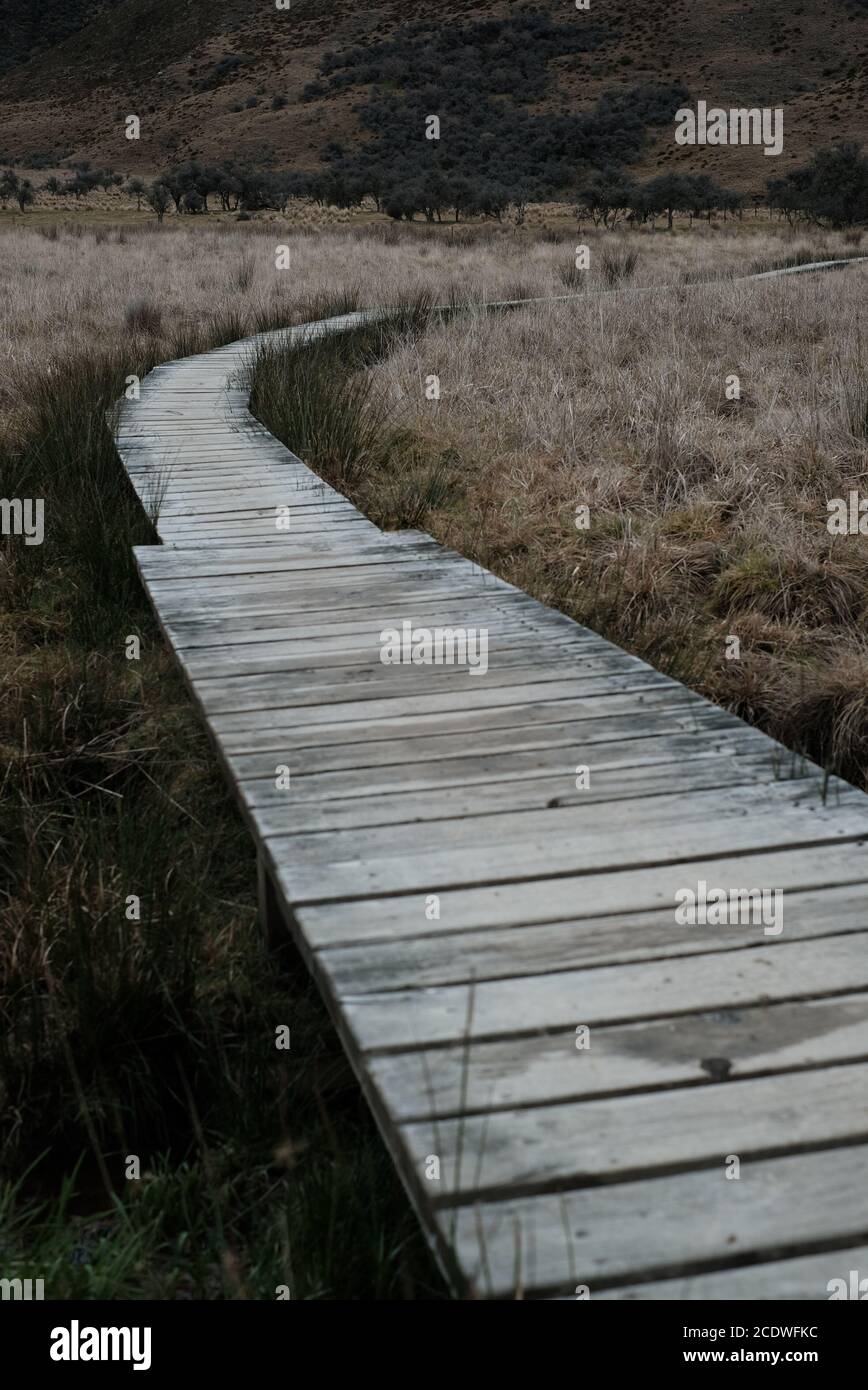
[(790, 195), (838, 190), (8, 185), (606, 197), (159, 199), (24, 194), (229, 192), (667, 193), (79, 187), (136, 189)]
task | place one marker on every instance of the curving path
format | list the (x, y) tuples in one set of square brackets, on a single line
[(465, 908)]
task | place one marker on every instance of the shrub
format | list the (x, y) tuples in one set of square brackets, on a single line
[(143, 316), (618, 265)]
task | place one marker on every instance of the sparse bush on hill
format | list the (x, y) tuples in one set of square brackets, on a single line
[(221, 71), (493, 56), (492, 152)]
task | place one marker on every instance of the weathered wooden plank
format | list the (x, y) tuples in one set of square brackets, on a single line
[(662, 1227), (362, 648), (538, 845), (307, 518), (680, 1050), (525, 1004), (574, 897), (805, 1278), (326, 613), (431, 734), (337, 593), (280, 813), (355, 623), (395, 580), (354, 568), (202, 485), (241, 730), (357, 668), (216, 576), (285, 554), (420, 961), (408, 775), (261, 531), (810, 799), (423, 742), (511, 661), (591, 1141)]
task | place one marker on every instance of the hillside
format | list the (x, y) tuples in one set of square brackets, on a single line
[(209, 78)]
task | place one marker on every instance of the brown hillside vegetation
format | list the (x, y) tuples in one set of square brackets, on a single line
[(160, 60)]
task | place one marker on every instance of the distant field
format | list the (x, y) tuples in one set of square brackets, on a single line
[(67, 281)]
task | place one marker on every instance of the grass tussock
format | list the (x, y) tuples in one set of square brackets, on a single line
[(318, 393)]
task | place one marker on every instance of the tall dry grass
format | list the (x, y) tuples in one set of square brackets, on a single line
[(63, 292), (708, 515)]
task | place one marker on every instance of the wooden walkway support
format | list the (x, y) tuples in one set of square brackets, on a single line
[(576, 1088)]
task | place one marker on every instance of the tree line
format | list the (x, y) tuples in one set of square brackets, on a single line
[(831, 190)]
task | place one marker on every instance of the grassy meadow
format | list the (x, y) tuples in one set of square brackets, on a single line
[(154, 1037)]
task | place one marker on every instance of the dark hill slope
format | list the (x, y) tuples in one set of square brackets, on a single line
[(203, 75)]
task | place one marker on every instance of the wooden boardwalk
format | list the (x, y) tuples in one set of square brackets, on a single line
[(465, 907)]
